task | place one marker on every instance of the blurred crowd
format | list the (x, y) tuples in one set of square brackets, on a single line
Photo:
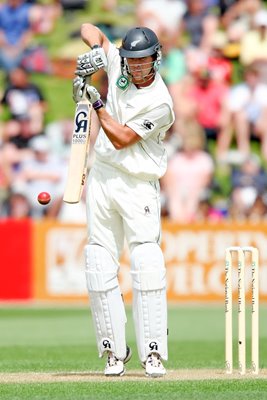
[(215, 66)]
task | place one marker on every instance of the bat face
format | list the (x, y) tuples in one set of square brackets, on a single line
[(81, 123), (79, 152)]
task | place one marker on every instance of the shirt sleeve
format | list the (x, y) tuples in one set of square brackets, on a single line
[(151, 122), (113, 61)]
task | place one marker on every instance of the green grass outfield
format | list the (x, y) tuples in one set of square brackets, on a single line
[(50, 353)]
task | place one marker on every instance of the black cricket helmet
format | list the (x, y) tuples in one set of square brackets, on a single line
[(140, 42)]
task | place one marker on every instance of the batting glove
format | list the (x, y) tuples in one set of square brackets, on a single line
[(91, 62), (94, 97), (78, 86)]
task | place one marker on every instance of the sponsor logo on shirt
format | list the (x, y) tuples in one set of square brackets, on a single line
[(148, 124), (147, 210), (122, 82)]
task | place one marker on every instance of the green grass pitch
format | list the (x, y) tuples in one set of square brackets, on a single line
[(59, 341)]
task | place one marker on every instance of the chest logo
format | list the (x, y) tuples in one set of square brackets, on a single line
[(122, 82)]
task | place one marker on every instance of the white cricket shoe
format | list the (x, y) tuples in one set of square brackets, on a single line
[(114, 366), (154, 367)]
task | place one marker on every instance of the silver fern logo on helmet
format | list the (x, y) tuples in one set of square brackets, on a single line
[(134, 43)]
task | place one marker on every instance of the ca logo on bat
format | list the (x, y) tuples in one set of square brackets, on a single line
[(81, 121)]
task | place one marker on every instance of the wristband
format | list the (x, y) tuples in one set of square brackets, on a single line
[(98, 104)]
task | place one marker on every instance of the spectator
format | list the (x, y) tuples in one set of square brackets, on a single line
[(201, 97), (245, 113), (258, 211), (249, 181), (10, 161), (199, 24), (41, 173), (4, 177), (173, 69), (254, 44), (224, 6), (206, 212), (71, 5), (115, 6), (188, 177), (15, 33), (17, 205), (109, 5), (26, 105), (162, 16), (219, 66), (208, 96), (44, 16), (173, 66), (239, 10), (237, 21)]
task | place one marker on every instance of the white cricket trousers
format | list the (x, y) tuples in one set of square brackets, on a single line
[(121, 206)]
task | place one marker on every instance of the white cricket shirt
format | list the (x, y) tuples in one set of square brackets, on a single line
[(149, 112)]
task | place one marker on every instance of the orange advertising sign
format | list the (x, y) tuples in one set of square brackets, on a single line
[(194, 257)]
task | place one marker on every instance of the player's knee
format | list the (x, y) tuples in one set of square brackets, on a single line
[(101, 270), (147, 267)]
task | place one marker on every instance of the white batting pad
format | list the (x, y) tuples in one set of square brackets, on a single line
[(149, 300), (107, 306)]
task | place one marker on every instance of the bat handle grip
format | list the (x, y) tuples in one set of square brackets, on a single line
[(87, 82)]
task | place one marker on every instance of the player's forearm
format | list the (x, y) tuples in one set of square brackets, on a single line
[(120, 136), (91, 35)]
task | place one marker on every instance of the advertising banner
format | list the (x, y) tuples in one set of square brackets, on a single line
[(59, 261), (194, 255), (16, 259)]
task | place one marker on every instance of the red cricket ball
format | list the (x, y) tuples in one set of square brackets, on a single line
[(44, 198)]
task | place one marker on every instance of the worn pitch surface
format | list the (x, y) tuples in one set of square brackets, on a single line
[(91, 376)]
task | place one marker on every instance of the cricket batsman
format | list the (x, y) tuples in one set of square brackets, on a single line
[(123, 195)]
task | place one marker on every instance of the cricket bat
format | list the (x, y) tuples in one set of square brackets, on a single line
[(80, 145)]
